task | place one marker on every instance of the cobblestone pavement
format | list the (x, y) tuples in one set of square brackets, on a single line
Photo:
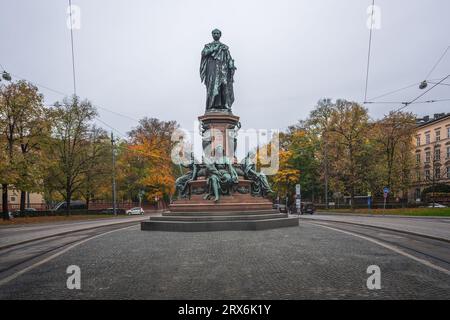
[(306, 262)]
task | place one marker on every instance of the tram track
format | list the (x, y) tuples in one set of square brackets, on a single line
[(16, 258), (434, 250)]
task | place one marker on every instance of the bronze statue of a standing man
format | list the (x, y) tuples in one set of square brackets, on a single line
[(217, 71)]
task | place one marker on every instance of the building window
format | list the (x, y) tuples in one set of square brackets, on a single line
[(437, 173), (418, 175), (13, 199), (448, 152), (427, 156), (427, 174), (418, 158), (427, 138), (448, 172), (448, 132), (418, 141), (438, 135), (418, 193), (437, 154)]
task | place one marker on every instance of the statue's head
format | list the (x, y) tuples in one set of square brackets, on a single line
[(216, 34)]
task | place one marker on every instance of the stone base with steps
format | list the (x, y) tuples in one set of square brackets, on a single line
[(219, 221)]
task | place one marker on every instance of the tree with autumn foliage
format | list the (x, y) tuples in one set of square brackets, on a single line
[(394, 137), (144, 162), (349, 142), (24, 128), (287, 176)]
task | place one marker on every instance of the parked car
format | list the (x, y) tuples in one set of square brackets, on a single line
[(74, 205), (307, 208), (134, 211), (27, 212), (111, 211), (437, 205), (282, 208)]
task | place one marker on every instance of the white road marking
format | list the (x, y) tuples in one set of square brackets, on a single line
[(392, 248), (19, 273)]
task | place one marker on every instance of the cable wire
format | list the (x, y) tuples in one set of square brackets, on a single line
[(394, 91), (436, 64), (422, 94), (73, 54), (368, 53)]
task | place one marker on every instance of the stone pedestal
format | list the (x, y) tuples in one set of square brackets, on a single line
[(240, 209), (219, 128)]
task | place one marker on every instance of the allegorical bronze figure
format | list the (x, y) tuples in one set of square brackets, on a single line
[(181, 184), (221, 174), (217, 71), (260, 185)]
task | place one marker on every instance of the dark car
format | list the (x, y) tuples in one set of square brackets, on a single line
[(27, 212), (282, 208), (74, 205), (111, 211), (307, 208)]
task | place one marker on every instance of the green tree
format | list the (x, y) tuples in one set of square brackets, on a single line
[(69, 157), (22, 127), (97, 174)]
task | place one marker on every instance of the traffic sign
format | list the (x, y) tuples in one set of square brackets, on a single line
[(385, 190), (297, 189)]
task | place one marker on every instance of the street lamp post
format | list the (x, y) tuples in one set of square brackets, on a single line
[(113, 174)]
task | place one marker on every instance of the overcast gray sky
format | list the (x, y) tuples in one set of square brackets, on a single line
[(141, 58)]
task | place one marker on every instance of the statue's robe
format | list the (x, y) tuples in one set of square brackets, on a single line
[(260, 184), (217, 71)]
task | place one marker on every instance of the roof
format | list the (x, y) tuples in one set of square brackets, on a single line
[(432, 120)]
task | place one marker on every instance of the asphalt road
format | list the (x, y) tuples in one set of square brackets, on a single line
[(438, 227), (11, 234), (326, 261)]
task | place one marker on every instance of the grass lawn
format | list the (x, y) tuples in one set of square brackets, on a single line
[(46, 219), (437, 212)]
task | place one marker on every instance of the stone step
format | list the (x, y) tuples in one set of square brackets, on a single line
[(210, 207), (218, 213), (223, 200), (200, 226), (220, 218)]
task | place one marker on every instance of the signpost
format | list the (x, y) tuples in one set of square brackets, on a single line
[(298, 201), (385, 195)]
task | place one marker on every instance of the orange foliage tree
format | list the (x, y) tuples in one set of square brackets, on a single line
[(144, 164)]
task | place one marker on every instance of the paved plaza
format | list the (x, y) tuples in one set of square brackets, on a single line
[(306, 262)]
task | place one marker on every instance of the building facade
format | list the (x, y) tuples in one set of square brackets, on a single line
[(432, 153), (32, 200)]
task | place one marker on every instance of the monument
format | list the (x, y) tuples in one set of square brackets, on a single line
[(219, 192)]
